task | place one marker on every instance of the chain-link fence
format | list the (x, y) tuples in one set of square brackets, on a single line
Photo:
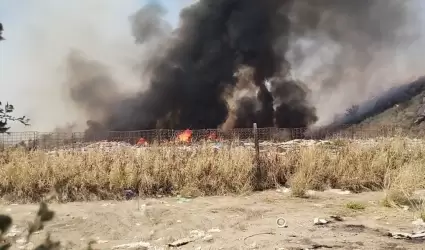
[(76, 139)]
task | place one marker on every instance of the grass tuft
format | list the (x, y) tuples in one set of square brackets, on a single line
[(355, 206)]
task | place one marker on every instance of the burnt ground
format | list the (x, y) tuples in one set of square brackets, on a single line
[(233, 222)]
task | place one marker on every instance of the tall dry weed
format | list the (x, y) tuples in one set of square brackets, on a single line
[(203, 170)]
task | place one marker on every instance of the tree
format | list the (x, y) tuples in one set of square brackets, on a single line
[(6, 111), (1, 31), (6, 116)]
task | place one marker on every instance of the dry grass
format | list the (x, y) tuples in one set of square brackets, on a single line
[(390, 164)]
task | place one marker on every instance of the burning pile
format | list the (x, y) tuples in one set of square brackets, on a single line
[(185, 136)]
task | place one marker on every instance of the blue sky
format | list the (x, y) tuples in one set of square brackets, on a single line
[(13, 10)]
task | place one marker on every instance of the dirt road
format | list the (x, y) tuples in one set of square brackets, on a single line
[(243, 222)]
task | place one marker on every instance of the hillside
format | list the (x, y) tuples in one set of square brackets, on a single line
[(400, 107)]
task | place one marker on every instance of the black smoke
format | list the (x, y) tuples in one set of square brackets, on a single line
[(225, 64)]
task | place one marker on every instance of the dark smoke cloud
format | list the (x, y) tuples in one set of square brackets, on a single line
[(149, 22), (188, 82), (225, 64)]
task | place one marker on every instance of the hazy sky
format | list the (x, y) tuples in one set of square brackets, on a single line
[(40, 33)]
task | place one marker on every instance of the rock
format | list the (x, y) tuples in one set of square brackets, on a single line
[(318, 221)]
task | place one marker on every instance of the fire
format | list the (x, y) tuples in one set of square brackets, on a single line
[(185, 136), (142, 142)]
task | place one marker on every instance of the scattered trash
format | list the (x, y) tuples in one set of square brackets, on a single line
[(182, 199), (129, 194), (320, 246), (142, 207), (339, 191), (13, 231), (254, 244), (134, 245), (28, 245), (318, 221), (283, 190), (214, 230), (310, 192), (102, 241), (409, 236), (180, 242), (179, 221), (194, 235), (107, 204), (336, 218), (21, 241), (281, 223), (208, 238), (419, 222)]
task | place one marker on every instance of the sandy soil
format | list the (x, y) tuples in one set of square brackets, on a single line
[(243, 222)]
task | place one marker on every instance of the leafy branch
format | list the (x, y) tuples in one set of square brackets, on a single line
[(6, 116)]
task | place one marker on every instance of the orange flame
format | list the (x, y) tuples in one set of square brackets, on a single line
[(141, 141), (185, 136)]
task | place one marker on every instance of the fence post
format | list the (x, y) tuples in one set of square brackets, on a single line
[(257, 167), (256, 143), (159, 136), (34, 142)]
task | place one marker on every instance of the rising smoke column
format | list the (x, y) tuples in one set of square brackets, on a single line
[(225, 65), (196, 71)]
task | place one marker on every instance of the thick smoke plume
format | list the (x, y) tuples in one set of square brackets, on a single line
[(213, 69), (226, 64)]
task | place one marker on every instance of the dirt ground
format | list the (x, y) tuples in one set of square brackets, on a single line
[(239, 222)]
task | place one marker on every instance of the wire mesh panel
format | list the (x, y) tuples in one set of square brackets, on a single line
[(18, 139), (146, 137)]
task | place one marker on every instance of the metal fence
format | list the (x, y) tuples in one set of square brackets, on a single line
[(55, 140)]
